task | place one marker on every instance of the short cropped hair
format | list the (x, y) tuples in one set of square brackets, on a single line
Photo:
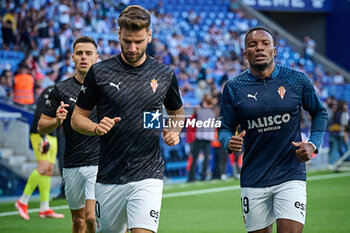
[(258, 28), (134, 18), (84, 39)]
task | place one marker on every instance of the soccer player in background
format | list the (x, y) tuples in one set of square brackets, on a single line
[(81, 152), (266, 101), (125, 87), (45, 151)]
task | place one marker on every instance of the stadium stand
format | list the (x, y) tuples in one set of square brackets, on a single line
[(202, 40)]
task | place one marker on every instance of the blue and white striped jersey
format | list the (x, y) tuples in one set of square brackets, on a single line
[(270, 110)]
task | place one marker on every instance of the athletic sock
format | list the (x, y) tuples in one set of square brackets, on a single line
[(32, 182), (44, 205), (44, 188)]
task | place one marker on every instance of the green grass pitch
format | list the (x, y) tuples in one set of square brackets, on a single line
[(209, 207)]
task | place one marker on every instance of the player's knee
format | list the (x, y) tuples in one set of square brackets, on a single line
[(78, 221), (49, 171), (90, 219), (41, 171)]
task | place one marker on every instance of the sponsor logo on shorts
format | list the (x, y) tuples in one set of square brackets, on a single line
[(155, 215), (300, 206)]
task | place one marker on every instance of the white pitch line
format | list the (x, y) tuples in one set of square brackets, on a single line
[(328, 176), (194, 192)]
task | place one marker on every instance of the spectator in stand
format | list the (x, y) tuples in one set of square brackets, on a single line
[(49, 79), (338, 138), (9, 28), (7, 82), (309, 47), (220, 159), (338, 78), (204, 136), (201, 90), (63, 12), (3, 92)]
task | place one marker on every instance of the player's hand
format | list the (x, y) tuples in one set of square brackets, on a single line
[(61, 112), (236, 142), (171, 138), (304, 151), (105, 125)]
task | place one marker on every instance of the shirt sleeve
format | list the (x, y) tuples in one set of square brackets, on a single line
[(312, 103), (52, 103), (173, 98), (87, 98), (228, 117)]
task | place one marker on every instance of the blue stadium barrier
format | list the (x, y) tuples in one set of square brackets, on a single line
[(27, 114), (169, 166)]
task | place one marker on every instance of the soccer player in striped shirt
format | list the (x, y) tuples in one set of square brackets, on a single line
[(81, 152), (125, 88)]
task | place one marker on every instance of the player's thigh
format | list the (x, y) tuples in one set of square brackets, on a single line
[(140, 230), (43, 167), (290, 201), (290, 226), (52, 153), (89, 173), (144, 204), (36, 144), (35, 140), (111, 208), (74, 187), (257, 208)]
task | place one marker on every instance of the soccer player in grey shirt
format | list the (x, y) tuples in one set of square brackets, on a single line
[(124, 88)]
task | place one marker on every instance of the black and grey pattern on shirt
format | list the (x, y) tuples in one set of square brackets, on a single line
[(129, 152), (40, 104), (80, 150)]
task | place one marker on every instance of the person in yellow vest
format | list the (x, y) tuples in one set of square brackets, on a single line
[(23, 88)]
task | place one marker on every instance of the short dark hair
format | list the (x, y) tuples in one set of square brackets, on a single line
[(258, 28), (134, 18), (84, 39)]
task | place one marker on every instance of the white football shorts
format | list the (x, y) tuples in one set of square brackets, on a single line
[(131, 205), (262, 206), (79, 185)]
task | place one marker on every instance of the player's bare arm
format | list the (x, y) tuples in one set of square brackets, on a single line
[(171, 136), (236, 142), (48, 124), (81, 123), (304, 151)]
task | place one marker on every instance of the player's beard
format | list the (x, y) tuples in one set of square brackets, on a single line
[(133, 60), (261, 66)]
